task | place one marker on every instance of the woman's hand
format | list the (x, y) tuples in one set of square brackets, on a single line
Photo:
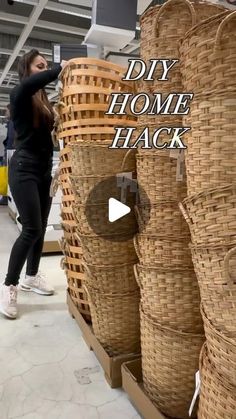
[(63, 64)]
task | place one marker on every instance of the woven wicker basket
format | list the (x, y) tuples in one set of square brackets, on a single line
[(115, 279), (99, 160), (107, 250), (208, 55), (153, 250), (156, 173), (170, 22), (162, 218), (97, 214), (215, 268), (217, 396), (211, 215), (211, 150), (115, 319), (221, 350), (171, 297), (169, 363)]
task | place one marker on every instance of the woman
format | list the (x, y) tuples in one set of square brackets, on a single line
[(30, 176)]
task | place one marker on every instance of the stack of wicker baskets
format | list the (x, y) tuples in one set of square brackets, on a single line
[(171, 323), (208, 67), (108, 256)]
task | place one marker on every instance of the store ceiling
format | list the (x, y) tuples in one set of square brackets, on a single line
[(39, 23)]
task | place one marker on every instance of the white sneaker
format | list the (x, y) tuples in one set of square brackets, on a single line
[(36, 284), (8, 301)]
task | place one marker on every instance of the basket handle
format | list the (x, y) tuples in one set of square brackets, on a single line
[(170, 2), (136, 246), (138, 215), (125, 159), (89, 294), (220, 29), (227, 258), (87, 270), (184, 213), (136, 274), (63, 263)]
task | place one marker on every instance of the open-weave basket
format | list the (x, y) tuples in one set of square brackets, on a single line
[(215, 268), (65, 164), (169, 363), (171, 297), (210, 156), (221, 350), (211, 215), (107, 250), (162, 218), (72, 265), (85, 98), (156, 173), (217, 396), (67, 202), (111, 279), (99, 160), (94, 217), (208, 55), (167, 251), (115, 319)]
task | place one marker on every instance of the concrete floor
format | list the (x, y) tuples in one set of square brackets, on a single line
[(46, 369)]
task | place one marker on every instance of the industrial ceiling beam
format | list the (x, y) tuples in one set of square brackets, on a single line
[(61, 8), (43, 24)]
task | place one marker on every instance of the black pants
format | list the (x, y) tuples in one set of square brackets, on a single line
[(29, 181)]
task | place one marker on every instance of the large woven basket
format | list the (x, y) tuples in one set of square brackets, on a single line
[(99, 160), (72, 265), (167, 251), (115, 319), (215, 268), (156, 173), (113, 279), (217, 396), (169, 25), (87, 87), (152, 19), (162, 218), (221, 350), (211, 215), (208, 55), (171, 297), (75, 281), (107, 250), (97, 214), (169, 363), (211, 150), (65, 164)]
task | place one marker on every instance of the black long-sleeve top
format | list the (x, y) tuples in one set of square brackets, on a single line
[(37, 141)]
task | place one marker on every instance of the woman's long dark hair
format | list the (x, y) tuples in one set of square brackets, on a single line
[(42, 108)]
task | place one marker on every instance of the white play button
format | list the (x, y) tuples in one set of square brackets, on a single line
[(117, 210)]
